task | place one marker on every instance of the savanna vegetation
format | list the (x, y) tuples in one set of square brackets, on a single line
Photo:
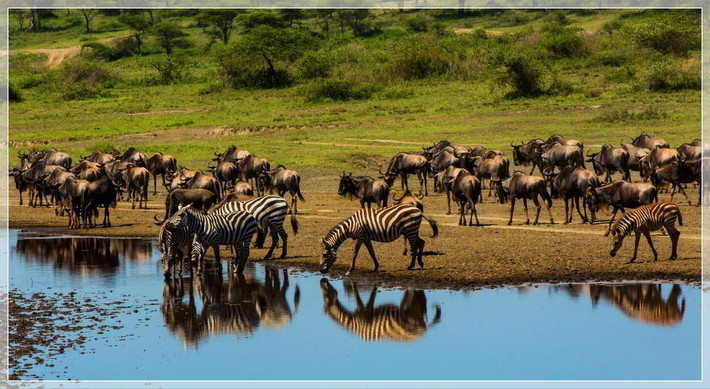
[(330, 90)]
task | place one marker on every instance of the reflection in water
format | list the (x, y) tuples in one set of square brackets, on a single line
[(642, 302), (82, 254), (237, 305), (404, 323)]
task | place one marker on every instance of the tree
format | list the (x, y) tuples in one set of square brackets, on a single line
[(19, 14), (323, 16), (169, 35), (357, 19), (89, 14), (138, 25), (290, 15), (221, 19), (273, 44)]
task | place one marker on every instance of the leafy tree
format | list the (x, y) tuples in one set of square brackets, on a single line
[(138, 25), (359, 20), (19, 14), (169, 36), (221, 19), (273, 44), (290, 15), (323, 17), (89, 14)]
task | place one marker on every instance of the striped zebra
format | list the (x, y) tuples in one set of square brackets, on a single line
[(269, 212), (173, 243), (406, 322), (235, 229), (380, 225), (643, 220)]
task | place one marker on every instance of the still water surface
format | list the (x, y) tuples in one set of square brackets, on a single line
[(275, 323)]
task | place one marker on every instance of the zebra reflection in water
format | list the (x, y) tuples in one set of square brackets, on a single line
[(404, 323), (642, 302), (236, 305)]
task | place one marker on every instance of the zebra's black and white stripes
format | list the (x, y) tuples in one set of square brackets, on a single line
[(173, 244), (379, 225), (235, 229), (269, 212), (645, 219)]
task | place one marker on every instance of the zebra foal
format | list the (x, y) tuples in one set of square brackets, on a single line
[(643, 220), (235, 229), (173, 243), (380, 225)]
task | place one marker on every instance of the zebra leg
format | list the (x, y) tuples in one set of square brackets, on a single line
[(674, 234), (527, 216), (405, 246), (243, 256), (650, 243), (357, 248), (368, 244), (636, 246), (421, 252), (274, 240)]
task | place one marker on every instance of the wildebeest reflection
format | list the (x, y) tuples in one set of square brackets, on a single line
[(81, 254), (642, 302), (404, 323), (237, 305)]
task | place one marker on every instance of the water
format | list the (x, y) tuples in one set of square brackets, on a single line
[(277, 323)]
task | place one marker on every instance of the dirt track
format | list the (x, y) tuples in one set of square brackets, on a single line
[(491, 255)]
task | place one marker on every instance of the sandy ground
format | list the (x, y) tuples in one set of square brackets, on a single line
[(492, 255)]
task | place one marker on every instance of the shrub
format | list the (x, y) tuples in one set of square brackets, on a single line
[(418, 59), (417, 23), (87, 79), (614, 58), (13, 94), (667, 77), (97, 50), (671, 32), (560, 87), (315, 64), (624, 115), (564, 41), (523, 72), (171, 68), (594, 92), (337, 89)]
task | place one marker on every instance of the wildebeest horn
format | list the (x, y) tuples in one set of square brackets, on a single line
[(379, 170), (421, 195), (511, 144), (159, 222), (216, 155)]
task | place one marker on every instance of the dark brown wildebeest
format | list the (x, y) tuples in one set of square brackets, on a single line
[(561, 156), (252, 167), (657, 158), (676, 174), (33, 178), (441, 161), (99, 157), (528, 154), (240, 188), (402, 165), (22, 180), (232, 154), (283, 180), (443, 145), (688, 151), (366, 189), (492, 168), (226, 172), (523, 186), (649, 142), (610, 160), (178, 198), (451, 171), (72, 193), (408, 198), (564, 141), (131, 156), (102, 192), (162, 164), (52, 157), (92, 173), (635, 155), (480, 151), (136, 180), (621, 195), (83, 165), (177, 179), (203, 181), (467, 189), (53, 181), (571, 184)]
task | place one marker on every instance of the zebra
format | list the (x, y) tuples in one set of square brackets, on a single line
[(380, 225), (173, 243), (643, 220), (269, 212), (235, 229), (405, 322)]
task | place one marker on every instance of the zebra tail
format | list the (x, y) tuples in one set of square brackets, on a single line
[(294, 223), (680, 217), (432, 223)]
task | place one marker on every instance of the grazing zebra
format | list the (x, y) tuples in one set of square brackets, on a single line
[(643, 220), (380, 225), (269, 211), (405, 322), (173, 243), (235, 229)]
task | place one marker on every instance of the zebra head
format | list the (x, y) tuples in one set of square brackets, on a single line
[(616, 240), (327, 257), (179, 219)]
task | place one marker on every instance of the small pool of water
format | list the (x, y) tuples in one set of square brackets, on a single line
[(99, 309)]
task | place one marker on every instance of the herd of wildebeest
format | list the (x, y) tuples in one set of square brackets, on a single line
[(198, 213)]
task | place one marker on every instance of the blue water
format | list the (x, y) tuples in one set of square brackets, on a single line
[(261, 327)]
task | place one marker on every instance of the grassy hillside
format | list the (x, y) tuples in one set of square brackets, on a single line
[(348, 97)]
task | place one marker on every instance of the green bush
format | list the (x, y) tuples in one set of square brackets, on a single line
[(523, 72), (417, 23), (560, 87), (614, 58), (564, 41), (418, 59), (315, 64), (171, 68), (624, 115), (13, 94), (337, 89), (670, 32), (98, 51), (87, 79), (667, 77)]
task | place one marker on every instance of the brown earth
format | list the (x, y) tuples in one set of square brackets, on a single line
[(492, 255)]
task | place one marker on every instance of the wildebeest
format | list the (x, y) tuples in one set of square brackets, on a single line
[(658, 157), (561, 156), (202, 181), (241, 187), (403, 164), (451, 171), (283, 180), (91, 173), (177, 180), (564, 141), (620, 195), (571, 184), (252, 167), (649, 142), (198, 198), (162, 164), (72, 194), (83, 165), (32, 180), (610, 160), (366, 189), (232, 154), (53, 181), (131, 156), (99, 157), (136, 180), (676, 174), (102, 192), (467, 189), (443, 145), (480, 151), (635, 156), (52, 157), (523, 186), (493, 168), (440, 162), (689, 151), (528, 153), (226, 172)]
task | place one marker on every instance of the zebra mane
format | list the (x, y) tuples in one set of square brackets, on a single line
[(623, 225)]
